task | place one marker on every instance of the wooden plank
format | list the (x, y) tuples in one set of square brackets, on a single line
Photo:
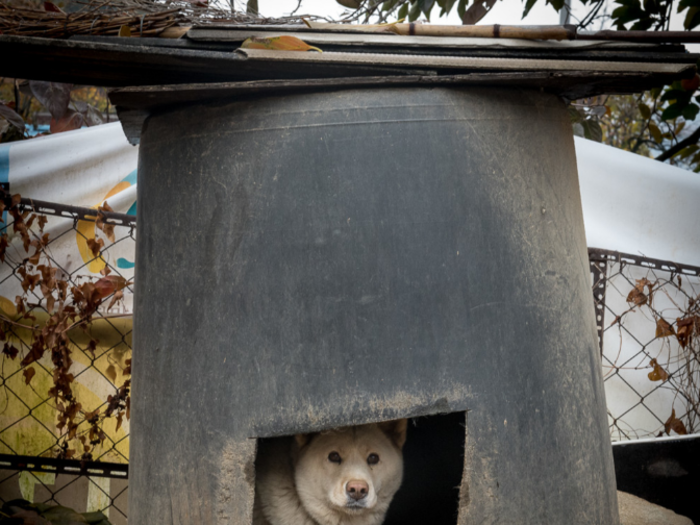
[(134, 104), (392, 40), (118, 65), (450, 62)]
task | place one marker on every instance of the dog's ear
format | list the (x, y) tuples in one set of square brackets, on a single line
[(303, 439), (396, 431)]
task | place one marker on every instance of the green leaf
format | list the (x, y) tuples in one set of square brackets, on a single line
[(673, 111), (528, 5), (690, 111), (252, 7), (403, 11), (574, 115), (687, 151), (592, 130), (642, 25), (692, 19), (685, 4), (644, 110), (447, 7), (414, 12), (629, 3), (556, 4), (427, 7), (674, 94), (651, 7), (655, 133), (462, 8), (389, 5), (94, 518)]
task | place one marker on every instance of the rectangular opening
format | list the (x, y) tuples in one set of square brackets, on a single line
[(433, 464)]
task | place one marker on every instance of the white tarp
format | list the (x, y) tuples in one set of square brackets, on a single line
[(636, 205), (631, 204)]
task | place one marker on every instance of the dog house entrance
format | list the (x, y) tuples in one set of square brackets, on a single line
[(433, 464)]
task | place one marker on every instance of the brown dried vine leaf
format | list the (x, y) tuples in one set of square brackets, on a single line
[(637, 296), (658, 374), (128, 408), (120, 416), (675, 424), (16, 199), (118, 296), (34, 259), (107, 229), (10, 351), (28, 373), (30, 280), (127, 368), (110, 284), (42, 222), (663, 329), (95, 246), (4, 243), (92, 346), (111, 373), (685, 327)]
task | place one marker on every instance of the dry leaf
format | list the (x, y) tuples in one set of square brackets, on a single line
[(95, 245), (278, 43), (70, 121), (28, 373), (675, 424), (109, 285), (10, 350), (637, 297), (4, 243), (685, 328), (111, 373), (663, 329), (658, 374), (50, 7), (125, 31), (118, 296), (34, 259)]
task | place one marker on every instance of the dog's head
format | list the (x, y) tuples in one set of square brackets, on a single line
[(353, 471)]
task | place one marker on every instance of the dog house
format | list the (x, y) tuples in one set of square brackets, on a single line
[(317, 254)]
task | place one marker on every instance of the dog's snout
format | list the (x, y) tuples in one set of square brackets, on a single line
[(357, 489)]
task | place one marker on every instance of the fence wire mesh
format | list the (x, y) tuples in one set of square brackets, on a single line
[(648, 314), (73, 405)]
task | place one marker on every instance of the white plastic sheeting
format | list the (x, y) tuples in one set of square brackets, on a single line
[(636, 205), (630, 204), (82, 168)]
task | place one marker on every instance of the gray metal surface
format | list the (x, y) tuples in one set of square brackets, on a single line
[(328, 259)]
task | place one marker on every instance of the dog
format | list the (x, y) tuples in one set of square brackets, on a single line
[(346, 476)]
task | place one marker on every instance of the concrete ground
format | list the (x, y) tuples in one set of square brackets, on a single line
[(636, 511)]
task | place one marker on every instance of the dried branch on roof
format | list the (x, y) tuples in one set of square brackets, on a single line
[(143, 18)]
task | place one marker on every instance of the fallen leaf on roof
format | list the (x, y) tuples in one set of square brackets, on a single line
[(279, 43)]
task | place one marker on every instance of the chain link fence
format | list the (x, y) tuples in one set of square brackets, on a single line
[(64, 430), (648, 315)]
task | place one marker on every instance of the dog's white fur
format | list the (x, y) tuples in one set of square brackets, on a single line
[(297, 483)]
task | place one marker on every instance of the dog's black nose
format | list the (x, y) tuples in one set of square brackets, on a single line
[(357, 489)]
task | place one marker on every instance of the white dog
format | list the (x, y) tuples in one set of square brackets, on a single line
[(346, 476)]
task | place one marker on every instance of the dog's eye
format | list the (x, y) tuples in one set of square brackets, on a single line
[(372, 459), (334, 457)]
